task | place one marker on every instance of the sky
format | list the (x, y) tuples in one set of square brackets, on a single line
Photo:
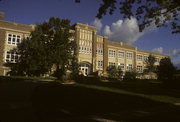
[(117, 29)]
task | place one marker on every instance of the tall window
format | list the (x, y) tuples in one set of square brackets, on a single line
[(11, 57), (85, 49), (145, 58), (99, 51), (121, 66), (139, 57), (85, 42), (13, 39), (100, 64), (112, 53), (112, 63), (139, 69), (129, 55), (129, 67), (120, 54), (85, 35)]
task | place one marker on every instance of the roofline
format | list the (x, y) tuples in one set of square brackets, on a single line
[(85, 25), (18, 23)]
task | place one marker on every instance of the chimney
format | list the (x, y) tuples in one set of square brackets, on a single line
[(1, 16)]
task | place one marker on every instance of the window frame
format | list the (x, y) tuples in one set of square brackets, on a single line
[(11, 54), (139, 68), (100, 63), (128, 55), (111, 64), (129, 67), (119, 54), (139, 57), (15, 38), (111, 53)]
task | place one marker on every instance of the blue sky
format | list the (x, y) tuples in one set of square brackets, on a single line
[(36, 11)]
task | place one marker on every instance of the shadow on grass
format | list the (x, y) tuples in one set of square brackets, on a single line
[(148, 87), (53, 102)]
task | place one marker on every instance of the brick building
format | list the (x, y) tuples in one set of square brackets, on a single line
[(95, 52)]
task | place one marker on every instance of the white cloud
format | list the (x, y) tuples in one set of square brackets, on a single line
[(158, 50), (98, 24), (126, 31), (175, 52)]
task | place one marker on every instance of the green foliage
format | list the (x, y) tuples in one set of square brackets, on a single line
[(74, 68), (150, 67), (159, 12), (114, 72), (49, 44), (166, 70), (130, 75)]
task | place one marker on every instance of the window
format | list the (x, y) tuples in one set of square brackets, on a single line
[(99, 51), (85, 49), (13, 39), (88, 35), (139, 69), (90, 50), (139, 57), (85, 35), (91, 36), (129, 55), (11, 57), (100, 64), (157, 59), (112, 53), (121, 66), (129, 67), (112, 63), (145, 58), (120, 54)]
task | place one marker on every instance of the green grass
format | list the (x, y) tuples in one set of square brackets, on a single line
[(29, 101), (158, 98), (22, 78)]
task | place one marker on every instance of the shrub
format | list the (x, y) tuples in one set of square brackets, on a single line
[(130, 75), (114, 72)]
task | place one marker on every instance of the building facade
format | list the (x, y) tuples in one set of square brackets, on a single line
[(95, 53), (10, 35)]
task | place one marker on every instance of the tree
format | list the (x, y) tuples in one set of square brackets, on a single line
[(130, 75), (159, 12), (114, 72), (150, 67), (166, 70), (49, 44)]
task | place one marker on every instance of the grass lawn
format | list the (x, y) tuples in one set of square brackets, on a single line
[(32, 100)]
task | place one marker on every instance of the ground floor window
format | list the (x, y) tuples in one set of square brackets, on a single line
[(139, 69), (112, 63), (11, 57), (121, 66), (100, 64), (129, 67)]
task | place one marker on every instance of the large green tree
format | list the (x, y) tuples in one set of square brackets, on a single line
[(166, 70), (50, 45), (160, 12), (150, 64)]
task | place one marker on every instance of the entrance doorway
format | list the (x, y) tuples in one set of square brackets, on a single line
[(85, 68)]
